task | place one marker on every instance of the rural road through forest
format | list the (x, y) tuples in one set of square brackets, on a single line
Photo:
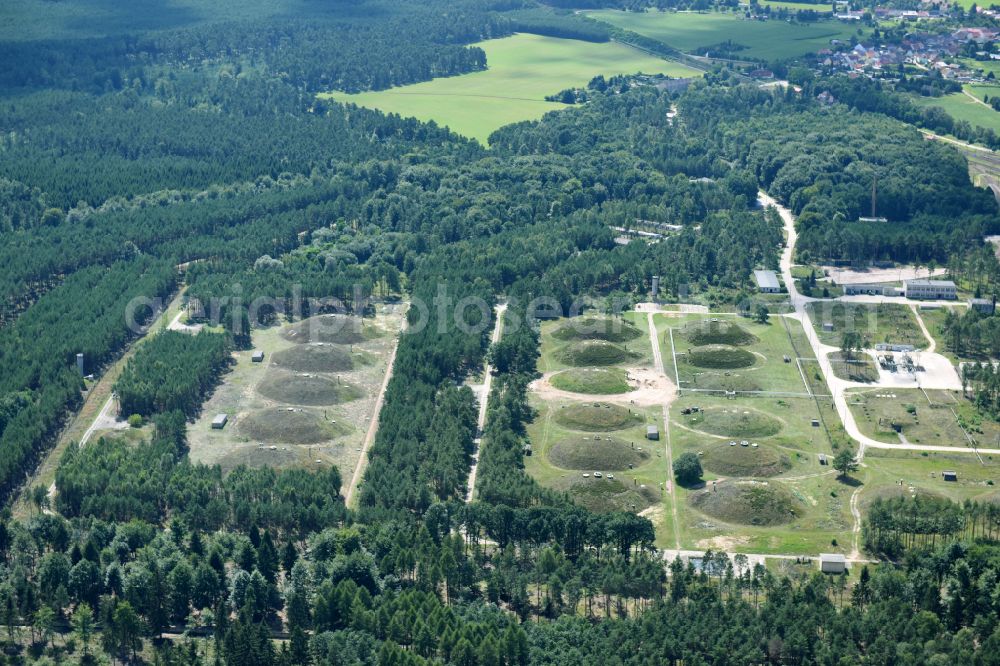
[(484, 399)]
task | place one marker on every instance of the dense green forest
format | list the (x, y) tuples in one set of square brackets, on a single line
[(197, 154)]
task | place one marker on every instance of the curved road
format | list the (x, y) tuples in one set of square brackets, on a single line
[(836, 385)]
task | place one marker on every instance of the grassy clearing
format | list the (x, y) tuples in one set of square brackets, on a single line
[(331, 390), (882, 322), (765, 368), (770, 40), (561, 455), (922, 472), (716, 332), (800, 490), (940, 418), (523, 70), (596, 417), (857, 368), (738, 421), (560, 353), (961, 107)]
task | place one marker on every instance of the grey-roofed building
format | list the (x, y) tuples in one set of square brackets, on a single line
[(934, 290), (258, 357), (833, 563), (983, 305), (652, 432), (767, 282), (220, 421)]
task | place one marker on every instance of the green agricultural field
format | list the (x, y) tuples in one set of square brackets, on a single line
[(883, 322), (767, 40), (732, 353), (772, 498), (523, 70), (963, 107), (946, 419)]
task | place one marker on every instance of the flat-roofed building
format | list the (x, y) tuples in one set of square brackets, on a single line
[(930, 290), (832, 563)]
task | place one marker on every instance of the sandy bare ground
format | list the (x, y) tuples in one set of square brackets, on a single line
[(852, 276), (648, 388)]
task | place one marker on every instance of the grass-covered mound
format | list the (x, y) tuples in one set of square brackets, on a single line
[(592, 381), (719, 381), (707, 332), (604, 495), (748, 503), (306, 389), (338, 329), (596, 417), (595, 453), (737, 422), (593, 352), (720, 357), (597, 328), (290, 425), (762, 461), (319, 358)]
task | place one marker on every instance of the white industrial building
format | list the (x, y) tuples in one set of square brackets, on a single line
[(767, 282), (930, 290)]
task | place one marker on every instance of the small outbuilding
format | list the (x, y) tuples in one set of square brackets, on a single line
[(984, 306), (822, 459), (220, 421), (827, 326), (652, 432), (832, 563), (949, 475), (258, 357)]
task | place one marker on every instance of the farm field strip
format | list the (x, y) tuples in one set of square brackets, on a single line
[(522, 71), (690, 31)]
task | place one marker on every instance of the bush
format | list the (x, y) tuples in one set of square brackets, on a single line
[(687, 469), (135, 421)]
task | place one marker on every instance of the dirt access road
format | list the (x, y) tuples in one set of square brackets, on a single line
[(484, 398)]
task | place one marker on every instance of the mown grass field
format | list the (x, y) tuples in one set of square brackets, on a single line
[(962, 107), (522, 71), (883, 470), (769, 40), (772, 498), (768, 344)]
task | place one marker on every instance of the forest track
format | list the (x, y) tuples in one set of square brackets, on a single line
[(484, 400)]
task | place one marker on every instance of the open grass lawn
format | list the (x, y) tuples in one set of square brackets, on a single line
[(523, 70), (793, 6), (735, 354), (939, 422), (883, 470), (772, 498), (986, 66), (770, 40), (883, 322), (961, 107)]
